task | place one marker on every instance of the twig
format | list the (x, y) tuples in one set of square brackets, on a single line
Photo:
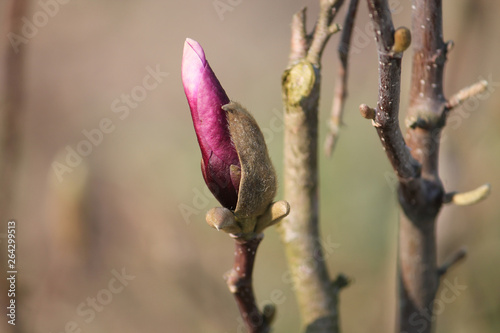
[(12, 112), (466, 93), (324, 29), (340, 92), (387, 113), (457, 257), (300, 41), (239, 281)]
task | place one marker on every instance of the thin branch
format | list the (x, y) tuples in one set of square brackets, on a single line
[(340, 92), (12, 112), (456, 258), (300, 40), (239, 281), (323, 30), (466, 93), (387, 113), (13, 109)]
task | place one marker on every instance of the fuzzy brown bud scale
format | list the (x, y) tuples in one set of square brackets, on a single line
[(255, 209)]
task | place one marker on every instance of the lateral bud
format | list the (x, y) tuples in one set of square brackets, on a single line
[(223, 219), (402, 39), (367, 112), (268, 313)]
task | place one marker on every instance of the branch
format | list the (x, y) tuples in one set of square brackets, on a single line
[(386, 119), (299, 231), (420, 190), (12, 113), (340, 92), (12, 110), (299, 41), (465, 94), (457, 257), (324, 29), (239, 281)]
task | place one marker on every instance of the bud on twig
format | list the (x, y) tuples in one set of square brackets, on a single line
[(402, 39), (235, 161)]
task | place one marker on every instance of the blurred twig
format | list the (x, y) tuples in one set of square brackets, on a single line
[(340, 92), (12, 111)]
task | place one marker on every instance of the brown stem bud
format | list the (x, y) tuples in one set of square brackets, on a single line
[(367, 112)]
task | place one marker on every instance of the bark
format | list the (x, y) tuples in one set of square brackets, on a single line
[(340, 92)]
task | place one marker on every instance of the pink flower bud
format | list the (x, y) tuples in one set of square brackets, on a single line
[(220, 163)]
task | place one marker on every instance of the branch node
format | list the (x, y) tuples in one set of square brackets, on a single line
[(457, 257), (468, 198), (269, 313), (340, 282), (367, 112), (334, 28)]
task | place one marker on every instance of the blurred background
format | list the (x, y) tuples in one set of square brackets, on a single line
[(107, 190)]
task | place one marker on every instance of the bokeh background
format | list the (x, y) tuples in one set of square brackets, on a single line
[(135, 205)]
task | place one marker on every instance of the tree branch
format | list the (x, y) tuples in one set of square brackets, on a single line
[(466, 93), (340, 92), (299, 41), (457, 257), (12, 112), (420, 191), (239, 281), (386, 119), (324, 29), (300, 230)]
